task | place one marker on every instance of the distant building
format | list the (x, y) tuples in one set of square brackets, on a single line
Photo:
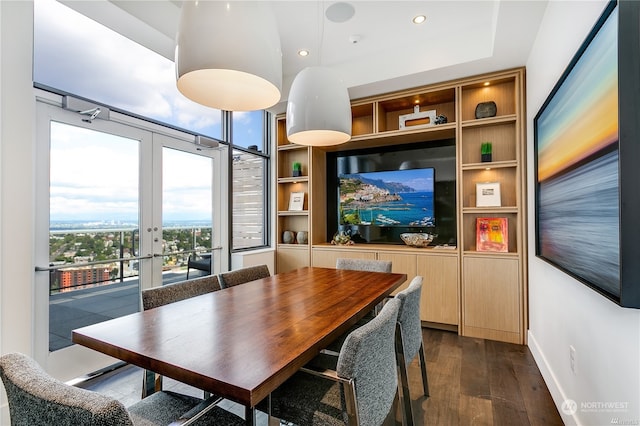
[(73, 277)]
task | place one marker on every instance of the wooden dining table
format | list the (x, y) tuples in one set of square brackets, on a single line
[(242, 342)]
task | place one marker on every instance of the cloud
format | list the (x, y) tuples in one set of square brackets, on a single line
[(74, 54), (94, 176)]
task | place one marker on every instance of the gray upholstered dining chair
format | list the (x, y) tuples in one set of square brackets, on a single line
[(366, 372), (170, 293), (162, 295), (409, 343), (244, 275), (368, 265), (364, 265), (36, 398)]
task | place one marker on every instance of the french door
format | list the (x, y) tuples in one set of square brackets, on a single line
[(120, 207)]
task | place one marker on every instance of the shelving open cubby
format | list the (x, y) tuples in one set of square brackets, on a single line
[(390, 110)]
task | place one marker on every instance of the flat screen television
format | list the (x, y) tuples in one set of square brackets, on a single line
[(388, 198), (587, 154), (376, 194)]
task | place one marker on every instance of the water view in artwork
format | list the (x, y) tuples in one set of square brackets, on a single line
[(577, 141)]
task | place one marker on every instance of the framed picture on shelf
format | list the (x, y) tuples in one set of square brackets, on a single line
[(488, 194), (492, 234), (296, 201)]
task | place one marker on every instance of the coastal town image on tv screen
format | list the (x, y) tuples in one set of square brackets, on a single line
[(388, 198)]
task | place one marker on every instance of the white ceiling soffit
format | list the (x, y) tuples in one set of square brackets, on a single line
[(152, 24), (459, 38)]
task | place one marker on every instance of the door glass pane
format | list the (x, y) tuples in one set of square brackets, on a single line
[(186, 213), (93, 222), (248, 200)]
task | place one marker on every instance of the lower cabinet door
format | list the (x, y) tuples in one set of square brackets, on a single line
[(440, 301), (326, 258), (492, 298), (290, 258)]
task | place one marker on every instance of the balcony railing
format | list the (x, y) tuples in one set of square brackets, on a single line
[(86, 258)]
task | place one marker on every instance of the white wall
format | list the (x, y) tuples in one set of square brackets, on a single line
[(245, 259), (562, 311), (17, 139)]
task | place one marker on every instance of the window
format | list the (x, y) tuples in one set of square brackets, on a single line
[(76, 55), (248, 200), (248, 130), (249, 174)]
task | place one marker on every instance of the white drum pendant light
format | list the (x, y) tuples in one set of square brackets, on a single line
[(228, 55), (318, 109)]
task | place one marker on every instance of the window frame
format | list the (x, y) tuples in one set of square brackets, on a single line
[(265, 154)]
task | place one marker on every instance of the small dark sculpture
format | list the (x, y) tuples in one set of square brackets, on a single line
[(440, 119), (486, 109)]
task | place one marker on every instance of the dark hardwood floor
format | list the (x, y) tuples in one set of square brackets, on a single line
[(481, 382), (471, 382)]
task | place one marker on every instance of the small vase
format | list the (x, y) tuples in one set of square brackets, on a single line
[(486, 158), (302, 237), (288, 237)]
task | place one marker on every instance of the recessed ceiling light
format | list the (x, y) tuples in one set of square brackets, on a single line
[(303, 52), (419, 19), (486, 83)]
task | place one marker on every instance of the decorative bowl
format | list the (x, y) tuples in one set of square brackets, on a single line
[(342, 239), (417, 239)]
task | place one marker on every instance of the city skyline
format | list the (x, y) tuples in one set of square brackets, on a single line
[(131, 223)]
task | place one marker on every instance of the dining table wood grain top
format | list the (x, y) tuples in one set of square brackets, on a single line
[(242, 342)]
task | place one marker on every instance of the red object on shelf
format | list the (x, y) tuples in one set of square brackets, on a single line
[(492, 234)]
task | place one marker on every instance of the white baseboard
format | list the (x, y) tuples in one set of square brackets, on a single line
[(552, 383)]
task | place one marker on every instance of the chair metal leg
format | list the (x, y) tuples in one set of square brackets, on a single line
[(273, 421), (194, 415), (351, 403), (423, 367), (398, 411), (403, 379)]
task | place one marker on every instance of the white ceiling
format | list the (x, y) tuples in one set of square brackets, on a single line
[(459, 38)]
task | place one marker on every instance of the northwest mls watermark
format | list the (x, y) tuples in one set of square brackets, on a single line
[(624, 422), (569, 406)]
